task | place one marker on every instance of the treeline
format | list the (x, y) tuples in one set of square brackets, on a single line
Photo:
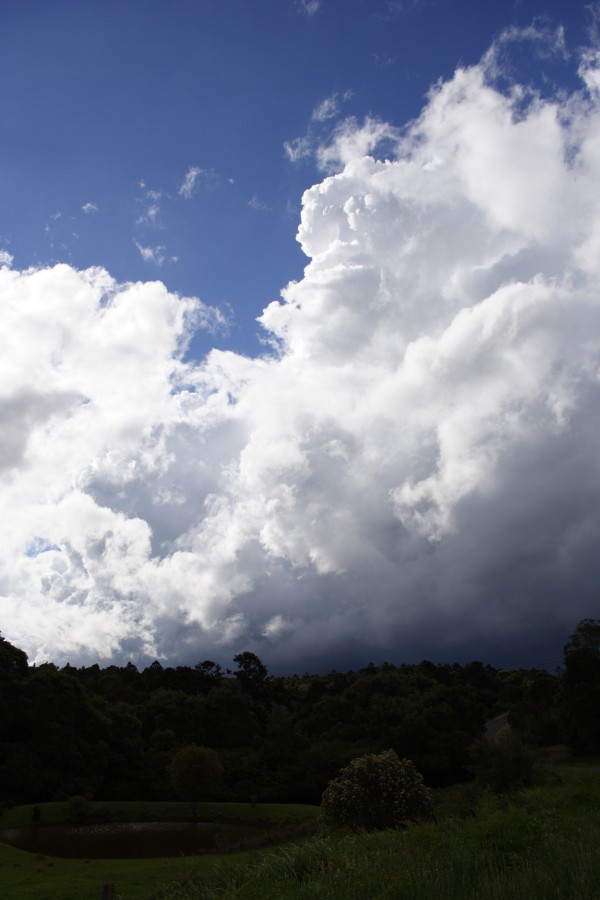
[(110, 733)]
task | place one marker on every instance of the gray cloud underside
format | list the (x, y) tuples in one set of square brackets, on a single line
[(413, 471)]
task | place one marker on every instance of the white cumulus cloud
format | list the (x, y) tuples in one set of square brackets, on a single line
[(412, 469)]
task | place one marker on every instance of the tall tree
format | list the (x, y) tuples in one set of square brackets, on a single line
[(13, 662), (195, 772), (581, 687), (251, 672)]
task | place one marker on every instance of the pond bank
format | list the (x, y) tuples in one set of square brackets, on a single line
[(31, 876), (102, 811), (133, 840)]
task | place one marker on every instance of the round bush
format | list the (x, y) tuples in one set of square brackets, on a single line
[(378, 790), (195, 773)]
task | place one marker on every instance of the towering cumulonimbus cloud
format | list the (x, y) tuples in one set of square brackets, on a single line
[(413, 468)]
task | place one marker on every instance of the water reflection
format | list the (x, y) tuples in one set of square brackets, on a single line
[(128, 839)]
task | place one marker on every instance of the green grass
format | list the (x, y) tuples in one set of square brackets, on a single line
[(539, 844), (542, 843), (29, 876)]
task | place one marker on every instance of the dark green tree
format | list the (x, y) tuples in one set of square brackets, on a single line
[(581, 687), (209, 669), (251, 672), (195, 773), (585, 637), (13, 662)]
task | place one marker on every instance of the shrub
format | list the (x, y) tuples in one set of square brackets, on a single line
[(378, 790), (504, 764)]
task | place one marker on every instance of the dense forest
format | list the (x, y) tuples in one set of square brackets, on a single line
[(111, 733)]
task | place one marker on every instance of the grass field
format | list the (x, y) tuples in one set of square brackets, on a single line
[(541, 843), (25, 876), (28, 876)]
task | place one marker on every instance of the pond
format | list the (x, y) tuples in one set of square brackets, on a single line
[(130, 840)]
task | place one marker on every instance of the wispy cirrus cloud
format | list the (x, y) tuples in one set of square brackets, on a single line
[(310, 7), (188, 184), (154, 254), (298, 148), (383, 60), (150, 215), (259, 205), (394, 9), (326, 110), (541, 40), (151, 200), (158, 205), (196, 176), (330, 106)]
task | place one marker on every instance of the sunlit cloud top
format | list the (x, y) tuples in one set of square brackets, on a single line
[(407, 468)]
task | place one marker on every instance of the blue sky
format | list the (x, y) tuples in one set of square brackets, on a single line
[(107, 106), (399, 459)]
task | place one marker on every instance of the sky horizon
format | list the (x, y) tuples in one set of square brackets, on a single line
[(300, 308)]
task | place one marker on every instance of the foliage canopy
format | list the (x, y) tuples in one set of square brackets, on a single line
[(195, 772), (377, 790)]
